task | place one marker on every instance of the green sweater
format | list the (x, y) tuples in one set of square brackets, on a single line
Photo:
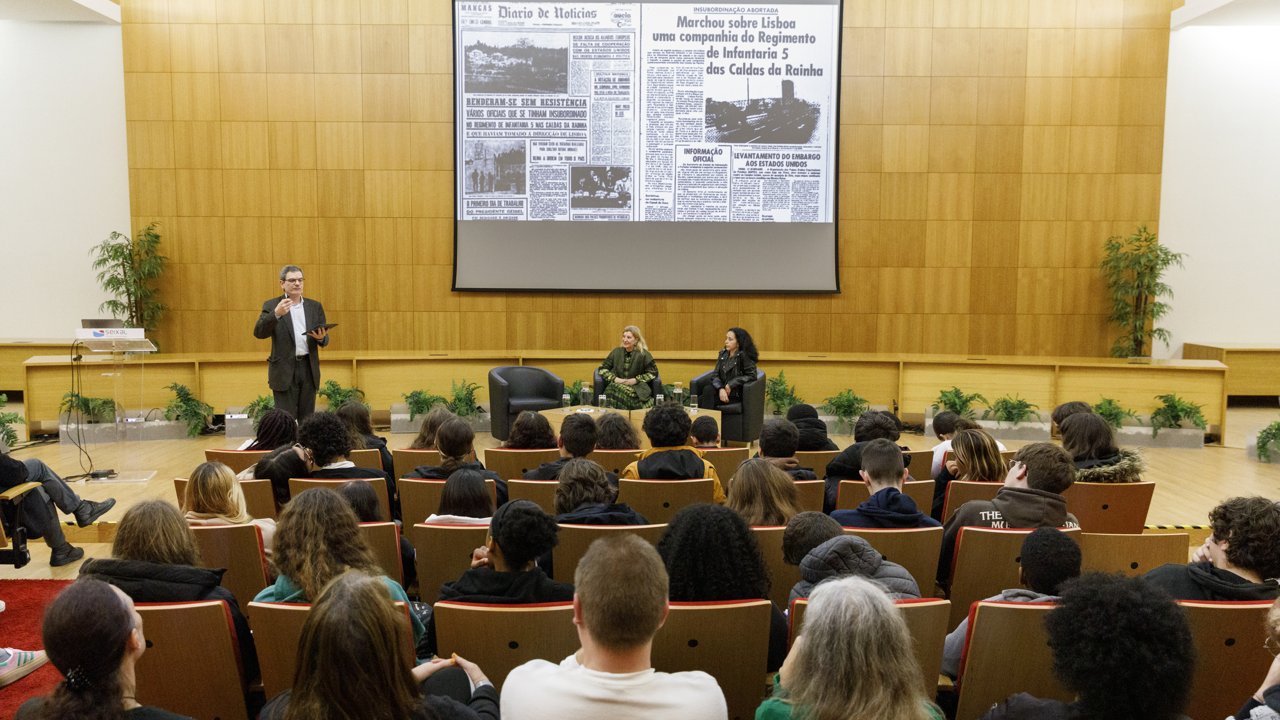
[(777, 707), (641, 367), (284, 590)]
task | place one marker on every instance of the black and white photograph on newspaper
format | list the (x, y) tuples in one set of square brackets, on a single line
[(600, 186), (768, 111), (494, 167), (516, 63)]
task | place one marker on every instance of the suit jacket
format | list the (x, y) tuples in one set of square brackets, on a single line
[(280, 364)]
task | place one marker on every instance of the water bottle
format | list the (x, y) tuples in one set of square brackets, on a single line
[(564, 400), (585, 395), (602, 401), (657, 399), (693, 403), (677, 394)]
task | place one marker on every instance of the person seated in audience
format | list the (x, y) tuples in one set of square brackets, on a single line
[(1066, 410), (1122, 646), (627, 371), (888, 507), (94, 636), (364, 502), (276, 428), (586, 497), (944, 428), (1048, 559), (1265, 704), (852, 555), (280, 466), (1031, 498), (762, 494), (813, 431), (806, 531), (456, 442), (705, 432), (974, 457), (853, 659), (615, 432), (619, 604), (317, 539), (671, 457), (426, 439), (577, 439), (355, 415), (214, 497), (40, 507), (351, 663), (531, 431), (154, 558), (328, 443), (1240, 560), (711, 555), (464, 500), (1090, 441), (735, 367), (871, 425), (779, 440)]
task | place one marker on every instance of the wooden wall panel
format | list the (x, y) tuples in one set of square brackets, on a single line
[(988, 147)]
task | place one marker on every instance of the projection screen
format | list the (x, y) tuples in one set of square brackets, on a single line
[(653, 146)]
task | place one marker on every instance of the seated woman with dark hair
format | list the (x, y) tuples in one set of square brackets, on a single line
[(531, 431), (327, 443), (364, 502), (456, 442), (615, 432), (154, 559), (279, 466), (465, 500), (813, 431), (711, 554), (735, 367), (276, 428), (1090, 441), (426, 439), (94, 636), (355, 415)]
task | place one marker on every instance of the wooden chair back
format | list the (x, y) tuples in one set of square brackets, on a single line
[(853, 493), (782, 576), (237, 460), (993, 673), (987, 560), (810, 493), (726, 461), (500, 638), (541, 492), (659, 500), (1131, 554), (575, 539), (1230, 658), (238, 549), (960, 492), (444, 553), (405, 460), (920, 464), (383, 539), (915, 549), (368, 458), (816, 460), (1110, 507), (727, 640), (297, 485), (192, 664), (614, 460), (420, 497), (513, 464), (259, 498)]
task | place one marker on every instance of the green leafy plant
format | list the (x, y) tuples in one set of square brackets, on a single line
[(1113, 412), (188, 408), (779, 394), (7, 421), (1012, 410), (420, 402), (129, 269), (846, 405), (337, 395), (1133, 267), (575, 391), (958, 402), (91, 409), (1266, 438), (259, 407), (462, 399), (1173, 412)]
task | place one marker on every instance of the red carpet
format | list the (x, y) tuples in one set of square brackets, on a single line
[(20, 628)]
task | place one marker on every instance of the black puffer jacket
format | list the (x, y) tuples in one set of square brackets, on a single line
[(852, 555)]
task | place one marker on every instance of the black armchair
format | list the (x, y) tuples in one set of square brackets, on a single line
[(516, 388), (598, 383), (740, 421)]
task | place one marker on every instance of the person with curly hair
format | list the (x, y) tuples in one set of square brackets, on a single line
[(464, 500), (426, 439), (762, 494), (1240, 560), (276, 428), (853, 660), (578, 434), (1091, 442), (455, 440), (869, 426), (671, 457), (355, 415), (1122, 646), (779, 440), (327, 442), (1265, 704), (627, 371), (531, 431), (317, 539), (735, 367), (711, 554), (616, 432), (887, 507)]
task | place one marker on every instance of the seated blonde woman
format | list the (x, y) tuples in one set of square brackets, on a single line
[(214, 497)]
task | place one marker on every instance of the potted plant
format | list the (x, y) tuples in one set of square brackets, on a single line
[(404, 416), (129, 269), (779, 395), (958, 402), (1266, 446), (337, 395), (1182, 421), (242, 422), (1013, 418), (1114, 413), (462, 402), (1133, 267), (186, 408), (8, 436), (845, 406), (86, 419)]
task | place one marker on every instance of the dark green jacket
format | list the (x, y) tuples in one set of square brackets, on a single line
[(643, 369)]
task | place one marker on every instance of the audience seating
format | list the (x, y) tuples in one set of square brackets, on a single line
[(782, 576), (1230, 659), (598, 385), (816, 460), (192, 664), (542, 492), (1007, 653), (727, 640), (259, 498), (511, 464), (743, 420), (1110, 507), (368, 458), (444, 553), (383, 539), (915, 549), (516, 388), (986, 561), (659, 500), (297, 485), (811, 494), (726, 461), (960, 492), (1131, 554), (920, 464), (238, 549), (853, 493), (237, 460), (575, 539), (11, 522), (500, 638), (420, 497), (405, 461), (614, 460)]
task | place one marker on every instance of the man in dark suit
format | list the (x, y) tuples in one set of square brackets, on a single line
[(296, 329)]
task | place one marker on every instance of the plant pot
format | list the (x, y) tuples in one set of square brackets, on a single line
[(1027, 430), (1140, 436), (401, 422), (136, 428), (1251, 450), (836, 426), (72, 432), (238, 423)]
